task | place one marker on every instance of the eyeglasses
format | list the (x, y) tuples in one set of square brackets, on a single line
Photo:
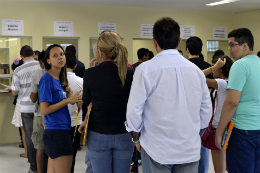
[(232, 44)]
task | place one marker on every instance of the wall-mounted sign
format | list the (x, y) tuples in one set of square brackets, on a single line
[(146, 31), (12, 27), (106, 26), (219, 32), (187, 31), (63, 28)]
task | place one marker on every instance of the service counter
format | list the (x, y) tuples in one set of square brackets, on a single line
[(8, 132)]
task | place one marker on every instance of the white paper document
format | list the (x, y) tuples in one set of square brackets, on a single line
[(187, 31), (219, 32), (12, 27), (146, 30), (63, 28), (106, 26), (6, 86)]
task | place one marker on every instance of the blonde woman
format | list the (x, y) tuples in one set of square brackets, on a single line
[(107, 86)]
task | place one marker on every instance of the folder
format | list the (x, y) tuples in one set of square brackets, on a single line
[(227, 134)]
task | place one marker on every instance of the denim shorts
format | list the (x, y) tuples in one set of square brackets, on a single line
[(57, 143)]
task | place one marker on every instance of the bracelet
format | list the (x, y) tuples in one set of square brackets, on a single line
[(135, 142), (211, 69)]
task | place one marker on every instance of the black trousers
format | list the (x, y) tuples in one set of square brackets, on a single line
[(75, 145)]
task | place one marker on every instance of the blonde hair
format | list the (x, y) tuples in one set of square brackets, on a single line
[(110, 44)]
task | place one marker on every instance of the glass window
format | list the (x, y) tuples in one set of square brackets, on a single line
[(212, 46)]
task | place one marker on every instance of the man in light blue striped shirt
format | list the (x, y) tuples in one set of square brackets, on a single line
[(21, 82), (168, 104)]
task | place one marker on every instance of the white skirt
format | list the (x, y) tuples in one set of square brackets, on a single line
[(17, 118)]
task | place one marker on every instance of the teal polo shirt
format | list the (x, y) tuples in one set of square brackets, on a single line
[(244, 76)]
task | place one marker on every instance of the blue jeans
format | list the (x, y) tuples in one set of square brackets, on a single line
[(110, 153), (151, 166), (88, 163), (204, 157), (243, 151)]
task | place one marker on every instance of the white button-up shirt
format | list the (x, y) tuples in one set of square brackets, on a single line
[(169, 103)]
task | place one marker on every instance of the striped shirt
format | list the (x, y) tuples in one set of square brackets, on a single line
[(21, 82)]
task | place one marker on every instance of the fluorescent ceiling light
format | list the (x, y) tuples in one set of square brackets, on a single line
[(11, 39), (221, 2), (1, 41)]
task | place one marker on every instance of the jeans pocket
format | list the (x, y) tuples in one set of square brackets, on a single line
[(125, 141), (99, 142)]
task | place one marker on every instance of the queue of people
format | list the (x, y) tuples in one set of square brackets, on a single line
[(160, 107)]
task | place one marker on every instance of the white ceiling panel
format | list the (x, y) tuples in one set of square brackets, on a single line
[(195, 5)]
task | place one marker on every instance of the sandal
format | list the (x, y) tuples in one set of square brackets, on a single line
[(23, 155), (21, 145)]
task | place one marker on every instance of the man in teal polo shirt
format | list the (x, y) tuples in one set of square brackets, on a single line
[(242, 105)]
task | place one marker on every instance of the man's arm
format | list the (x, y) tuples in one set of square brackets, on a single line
[(138, 96), (228, 110)]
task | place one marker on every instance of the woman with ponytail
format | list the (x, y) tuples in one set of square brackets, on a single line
[(107, 86), (55, 95)]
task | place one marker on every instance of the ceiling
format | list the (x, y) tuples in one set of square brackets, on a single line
[(195, 5)]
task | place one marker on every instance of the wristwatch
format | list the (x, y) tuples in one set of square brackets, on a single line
[(135, 142)]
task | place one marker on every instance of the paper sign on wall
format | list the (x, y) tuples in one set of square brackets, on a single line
[(106, 26), (187, 31), (146, 31), (63, 28), (219, 32), (12, 27)]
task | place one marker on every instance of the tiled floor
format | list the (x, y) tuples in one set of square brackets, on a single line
[(10, 162)]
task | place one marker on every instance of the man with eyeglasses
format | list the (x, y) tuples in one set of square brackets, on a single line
[(242, 105)]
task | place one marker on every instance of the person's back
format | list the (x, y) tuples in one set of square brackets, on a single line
[(108, 98), (168, 104), (106, 87), (21, 83), (168, 112)]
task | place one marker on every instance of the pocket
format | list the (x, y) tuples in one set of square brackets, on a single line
[(99, 142), (125, 142)]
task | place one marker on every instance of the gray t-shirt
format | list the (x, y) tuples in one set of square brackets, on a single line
[(36, 77)]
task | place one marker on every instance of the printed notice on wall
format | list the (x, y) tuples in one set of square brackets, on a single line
[(63, 28), (106, 26), (12, 27), (187, 31), (219, 32), (146, 31)]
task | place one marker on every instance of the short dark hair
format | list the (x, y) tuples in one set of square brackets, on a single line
[(258, 54), (218, 53), (243, 35), (41, 56), (26, 51), (36, 52), (70, 48), (201, 56), (142, 52), (226, 68), (166, 32), (151, 55), (180, 51), (14, 66), (70, 60), (194, 44)]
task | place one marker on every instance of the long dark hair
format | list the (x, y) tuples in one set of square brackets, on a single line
[(226, 68), (63, 72)]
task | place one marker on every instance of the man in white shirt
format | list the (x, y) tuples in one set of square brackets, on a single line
[(76, 85), (168, 103), (21, 82)]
